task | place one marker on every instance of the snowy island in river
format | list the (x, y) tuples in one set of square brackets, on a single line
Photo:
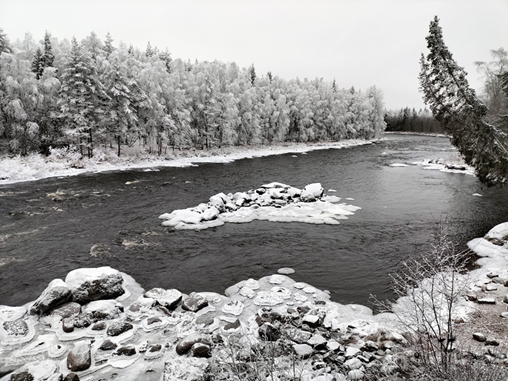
[(274, 202)]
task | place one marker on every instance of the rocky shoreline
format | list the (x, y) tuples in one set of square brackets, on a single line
[(99, 324)]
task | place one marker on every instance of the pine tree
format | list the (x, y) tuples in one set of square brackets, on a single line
[(252, 74), (455, 105)]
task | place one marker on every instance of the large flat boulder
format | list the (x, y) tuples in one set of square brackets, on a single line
[(89, 284)]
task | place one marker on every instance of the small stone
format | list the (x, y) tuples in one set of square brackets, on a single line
[(118, 328), (194, 302), (303, 351), (108, 345), (99, 326), (286, 271), (487, 301), (504, 315), (471, 296), (492, 342), (370, 346), (317, 341), (299, 336), (71, 377), (23, 376), (355, 374), (79, 357), (232, 326), (311, 320), (166, 298), (479, 337), (81, 321), (201, 350), (353, 363), (126, 351), (155, 348), (269, 332), (187, 342), (505, 299), (352, 351), (491, 287)]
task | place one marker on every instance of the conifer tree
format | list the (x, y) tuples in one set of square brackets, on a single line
[(456, 106), (48, 56), (82, 97), (4, 43), (108, 44), (38, 64)]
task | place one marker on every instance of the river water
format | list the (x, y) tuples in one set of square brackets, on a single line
[(116, 214)]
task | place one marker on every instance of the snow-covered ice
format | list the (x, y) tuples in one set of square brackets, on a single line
[(63, 163)]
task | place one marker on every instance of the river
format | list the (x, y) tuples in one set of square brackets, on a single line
[(116, 214)]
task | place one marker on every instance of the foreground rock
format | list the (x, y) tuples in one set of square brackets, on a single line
[(163, 334)]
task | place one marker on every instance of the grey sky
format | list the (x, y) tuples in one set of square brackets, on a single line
[(356, 42)]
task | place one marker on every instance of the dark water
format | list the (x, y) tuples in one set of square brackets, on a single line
[(41, 239)]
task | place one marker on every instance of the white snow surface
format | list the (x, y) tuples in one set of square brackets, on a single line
[(65, 163), (274, 202)]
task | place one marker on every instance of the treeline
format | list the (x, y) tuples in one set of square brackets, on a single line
[(407, 119), (88, 94)]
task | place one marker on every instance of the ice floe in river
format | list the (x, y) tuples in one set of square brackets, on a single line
[(274, 202)]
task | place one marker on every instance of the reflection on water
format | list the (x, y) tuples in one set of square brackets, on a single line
[(111, 219)]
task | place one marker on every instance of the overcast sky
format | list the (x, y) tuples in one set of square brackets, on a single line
[(356, 42)]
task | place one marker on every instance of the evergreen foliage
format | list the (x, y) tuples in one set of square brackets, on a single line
[(455, 105)]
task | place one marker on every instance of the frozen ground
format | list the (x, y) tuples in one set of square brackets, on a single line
[(64, 163)]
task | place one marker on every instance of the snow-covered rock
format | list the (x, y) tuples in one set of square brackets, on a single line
[(57, 293), (274, 202), (90, 284)]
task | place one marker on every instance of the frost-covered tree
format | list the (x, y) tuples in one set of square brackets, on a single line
[(38, 64), (108, 44), (120, 112), (82, 97), (455, 104), (48, 57), (493, 95), (5, 46)]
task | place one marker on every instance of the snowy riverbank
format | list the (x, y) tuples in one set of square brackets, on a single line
[(99, 323), (63, 163)]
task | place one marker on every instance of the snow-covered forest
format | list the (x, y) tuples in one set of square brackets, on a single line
[(88, 94)]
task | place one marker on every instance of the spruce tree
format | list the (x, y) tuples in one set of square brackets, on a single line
[(108, 44), (4, 43), (38, 64), (82, 97), (48, 57), (454, 104)]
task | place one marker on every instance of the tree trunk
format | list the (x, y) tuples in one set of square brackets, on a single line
[(118, 140)]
